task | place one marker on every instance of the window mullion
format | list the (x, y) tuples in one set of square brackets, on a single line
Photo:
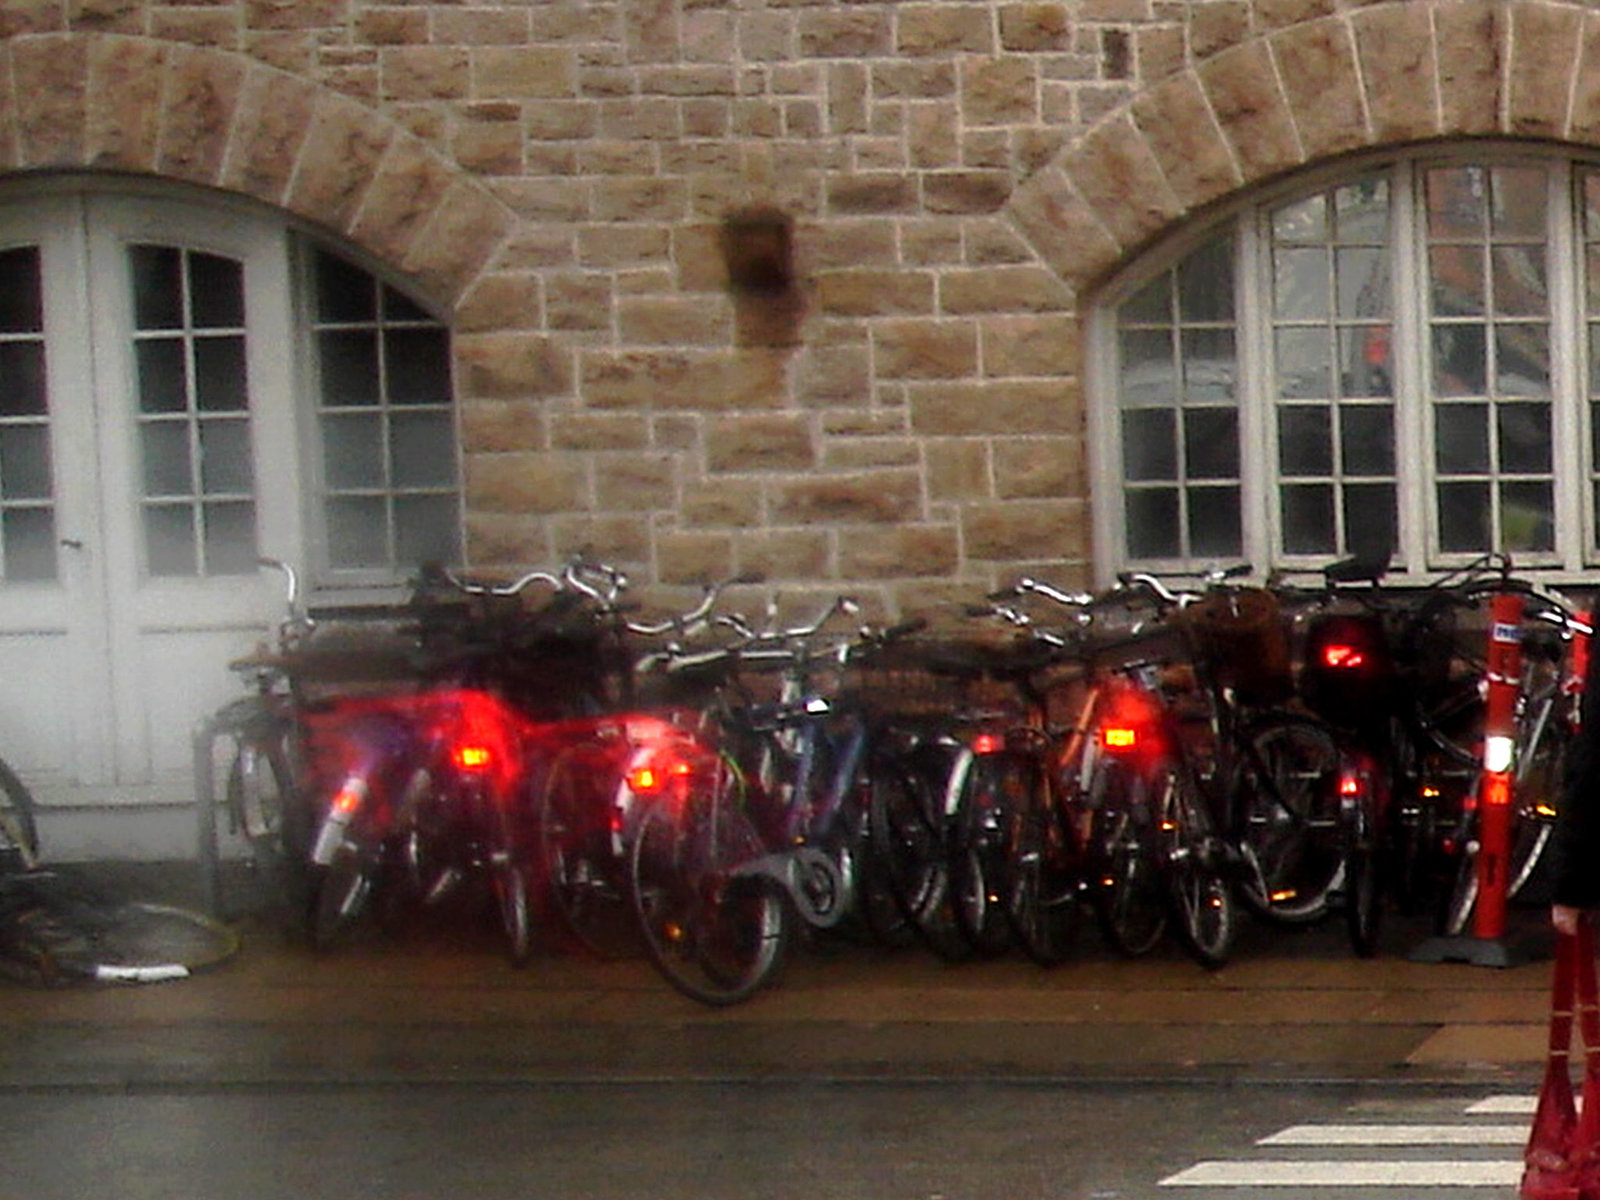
[(1411, 406), (1257, 442)]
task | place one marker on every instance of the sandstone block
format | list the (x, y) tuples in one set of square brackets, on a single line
[(899, 552), (870, 498), (925, 349), (764, 442)]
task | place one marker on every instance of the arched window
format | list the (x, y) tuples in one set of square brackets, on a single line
[(1402, 355)]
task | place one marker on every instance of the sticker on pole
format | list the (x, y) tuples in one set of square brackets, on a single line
[(1504, 631)]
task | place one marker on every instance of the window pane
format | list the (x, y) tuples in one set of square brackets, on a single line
[(348, 361), (1527, 516), (22, 379), (1522, 360), (1205, 283), (1364, 359), (220, 381), (1308, 526), (352, 450), (163, 376), (1149, 375), (344, 292), (358, 534), (1461, 439), (1363, 285), (1300, 284), (1519, 205), (225, 465), (169, 539), (1303, 221), (1457, 283), (30, 544), (1208, 365), (1464, 517), (1457, 202), (25, 463), (1303, 358), (1211, 443), (1459, 366), (21, 297), (1149, 445), (230, 538), (397, 306), (416, 439), (1524, 431), (1520, 287), (1367, 439), (157, 273), (425, 528), (1370, 514), (1152, 518), (167, 470), (1150, 305), (1305, 440), (216, 292), (418, 362), (1214, 526)]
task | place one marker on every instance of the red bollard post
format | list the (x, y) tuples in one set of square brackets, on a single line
[(1496, 784)]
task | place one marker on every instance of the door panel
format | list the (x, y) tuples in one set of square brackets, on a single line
[(164, 419)]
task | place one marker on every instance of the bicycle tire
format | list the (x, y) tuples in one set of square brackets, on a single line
[(1198, 887), (19, 828), (1363, 875), (342, 890), (977, 853), (268, 809), (582, 880), (1042, 875), (715, 935), (1130, 898), (511, 900), (908, 841), (1290, 831)]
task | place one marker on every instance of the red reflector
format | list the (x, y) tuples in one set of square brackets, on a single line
[(1341, 654), (988, 743), (471, 757), (348, 798), (1349, 785), (644, 779), (1119, 737)]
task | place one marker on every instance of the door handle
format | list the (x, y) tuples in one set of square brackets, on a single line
[(72, 543)]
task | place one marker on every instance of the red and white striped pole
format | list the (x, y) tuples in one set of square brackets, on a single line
[(1496, 784)]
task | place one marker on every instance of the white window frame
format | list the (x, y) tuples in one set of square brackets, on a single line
[(1248, 222)]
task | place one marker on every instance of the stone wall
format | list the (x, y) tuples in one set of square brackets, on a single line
[(899, 410)]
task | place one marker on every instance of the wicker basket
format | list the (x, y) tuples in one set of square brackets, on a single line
[(1240, 639)]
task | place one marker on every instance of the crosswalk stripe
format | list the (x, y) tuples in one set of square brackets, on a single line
[(1398, 1135), (1504, 1106), (1352, 1173)]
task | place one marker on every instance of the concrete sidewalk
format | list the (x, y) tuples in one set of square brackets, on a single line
[(443, 1005)]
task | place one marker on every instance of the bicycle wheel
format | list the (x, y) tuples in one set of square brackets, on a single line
[(19, 830), (908, 839), (1130, 901), (1363, 884), (1196, 874), (511, 898), (268, 809), (991, 789), (716, 935), (1289, 827), (582, 878), (342, 890), (1042, 873)]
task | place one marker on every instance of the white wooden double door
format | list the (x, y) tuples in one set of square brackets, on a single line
[(148, 454)]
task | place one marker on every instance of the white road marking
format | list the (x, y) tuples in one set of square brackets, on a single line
[(1398, 1135), (1351, 1173)]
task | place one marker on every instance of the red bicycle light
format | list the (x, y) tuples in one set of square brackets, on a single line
[(350, 795), (471, 756), (654, 774), (1350, 784), (1343, 654), (1119, 737), (988, 743)]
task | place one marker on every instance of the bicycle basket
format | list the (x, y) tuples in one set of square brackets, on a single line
[(1241, 642)]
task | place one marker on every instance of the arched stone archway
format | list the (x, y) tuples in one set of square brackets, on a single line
[(222, 120), (1387, 74)]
